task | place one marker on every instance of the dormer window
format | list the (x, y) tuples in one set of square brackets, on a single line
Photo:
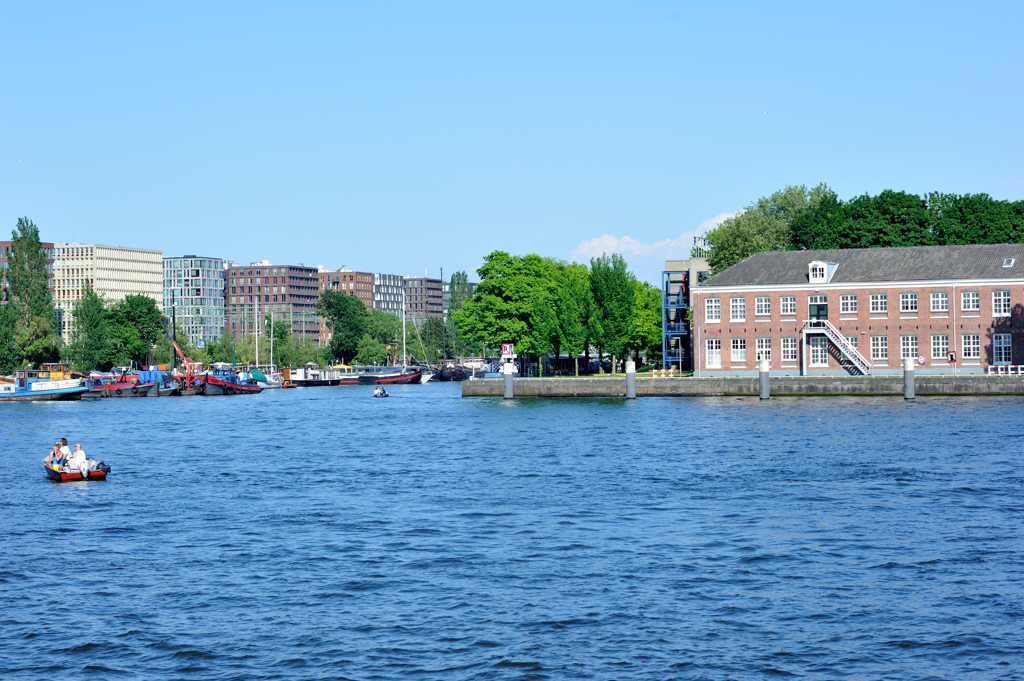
[(817, 272)]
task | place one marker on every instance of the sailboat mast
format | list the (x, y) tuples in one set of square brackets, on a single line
[(403, 327)]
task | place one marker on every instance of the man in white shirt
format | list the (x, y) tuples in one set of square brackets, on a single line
[(79, 462)]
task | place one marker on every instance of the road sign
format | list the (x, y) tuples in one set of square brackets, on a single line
[(506, 349), (921, 360), (951, 357)]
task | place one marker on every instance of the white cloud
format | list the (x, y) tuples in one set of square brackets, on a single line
[(646, 260)]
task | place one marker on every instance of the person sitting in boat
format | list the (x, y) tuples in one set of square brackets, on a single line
[(64, 449), (55, 460), (379, 391), (78, 461)]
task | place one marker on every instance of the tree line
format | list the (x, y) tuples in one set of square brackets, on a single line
[(542, 306), (539, 304), (797, 218)]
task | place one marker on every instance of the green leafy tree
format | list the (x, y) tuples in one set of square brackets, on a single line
[(974, 219), (574, 308), (8, 345), (348, 320), (385, 327), (613, 287), (762, 226), (370, 351), (90, 348), (135, 325), (460, 291), (645, 325), (222, 349), (512, 304), (35, 328)]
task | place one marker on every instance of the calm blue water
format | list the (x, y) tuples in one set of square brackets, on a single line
[(322, 534)]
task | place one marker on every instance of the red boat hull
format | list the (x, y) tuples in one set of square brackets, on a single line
[(63, 476), (215, 386), (122, 390)]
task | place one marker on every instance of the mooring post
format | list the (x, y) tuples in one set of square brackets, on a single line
[(762, 379), (508, 368), (908, 378), (630, 379)]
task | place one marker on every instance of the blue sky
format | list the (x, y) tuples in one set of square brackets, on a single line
[(406, 137)]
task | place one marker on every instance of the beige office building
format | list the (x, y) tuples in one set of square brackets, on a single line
[(114, 272)]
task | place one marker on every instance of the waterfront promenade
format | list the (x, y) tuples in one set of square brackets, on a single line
[(783, 386)]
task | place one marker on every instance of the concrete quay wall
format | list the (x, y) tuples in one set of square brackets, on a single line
[(782, 386)]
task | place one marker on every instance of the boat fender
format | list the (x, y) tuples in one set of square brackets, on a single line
[(118, 391), (135, 391)]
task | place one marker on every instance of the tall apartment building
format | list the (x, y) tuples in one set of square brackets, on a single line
[(388, 290), (5, 252), (359, 284), (424, 298), (114, 272), (285, 292), (194, 296)]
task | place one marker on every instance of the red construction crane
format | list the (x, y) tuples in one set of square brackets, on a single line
[(191, 367)]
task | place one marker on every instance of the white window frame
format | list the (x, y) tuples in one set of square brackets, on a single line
[(1002, 348), (738, 309), (1001, 303), (940, 301), (763, 349), (909, 347), (970, 344), (852, 340), (787, 305), (940, 345), (713, 353), (879, 303), (762, 306), (816, 271), (970, 301), (738, 350), (817, 348), (789, 349), (712, 310), (908, 302), (879, 348), (848, 303)]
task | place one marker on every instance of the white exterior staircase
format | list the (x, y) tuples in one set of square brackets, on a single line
[(845, 347)]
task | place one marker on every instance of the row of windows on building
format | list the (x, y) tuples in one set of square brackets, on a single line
[(970, 349), (970, 301)]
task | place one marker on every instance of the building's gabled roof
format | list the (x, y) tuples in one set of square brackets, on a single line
[(856, 265)]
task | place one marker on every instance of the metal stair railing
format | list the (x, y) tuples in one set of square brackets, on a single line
[(839, 340)]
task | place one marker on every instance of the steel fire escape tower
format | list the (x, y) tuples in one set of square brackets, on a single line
[(675, 330)]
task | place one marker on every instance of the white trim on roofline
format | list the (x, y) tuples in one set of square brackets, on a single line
[(845, 286)]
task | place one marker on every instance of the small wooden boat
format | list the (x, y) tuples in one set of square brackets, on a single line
[(97, 472)]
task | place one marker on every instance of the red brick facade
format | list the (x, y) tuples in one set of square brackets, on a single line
[(982, 324)]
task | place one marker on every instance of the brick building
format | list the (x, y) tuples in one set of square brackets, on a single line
[(286, 292), (359, 284), (862, 311), (424, 298)]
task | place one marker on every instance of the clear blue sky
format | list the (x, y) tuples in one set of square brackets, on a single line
[(394, 137)]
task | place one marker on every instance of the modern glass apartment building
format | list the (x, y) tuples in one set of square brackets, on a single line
[(193, 296)]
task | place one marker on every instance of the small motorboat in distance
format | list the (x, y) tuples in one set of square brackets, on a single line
[(97, 471)]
